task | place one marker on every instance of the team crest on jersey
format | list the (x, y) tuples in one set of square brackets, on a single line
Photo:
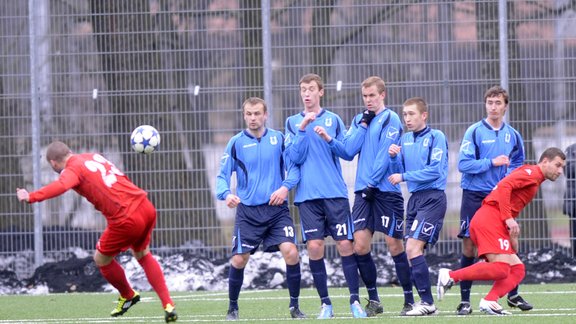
[(465, 146), (328, 122), (529, 171), (287, 139), (224, 158), (425, 142), (437, 154), (392, 133), (273, 140), (507, 138)]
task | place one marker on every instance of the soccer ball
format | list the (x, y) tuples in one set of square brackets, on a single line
[(145, 139)]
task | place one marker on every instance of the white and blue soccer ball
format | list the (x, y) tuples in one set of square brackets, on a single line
[(145, 139)]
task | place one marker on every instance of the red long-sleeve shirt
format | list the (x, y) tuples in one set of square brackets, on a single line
[(516, 190), (100, 182)]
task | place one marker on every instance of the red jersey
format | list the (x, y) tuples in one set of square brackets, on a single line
[(100, 182), (515, 191)]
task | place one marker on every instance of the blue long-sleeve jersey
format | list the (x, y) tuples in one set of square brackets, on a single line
[(371, 144), (319, 162), (260, 166), (482, 143), (423, 160)]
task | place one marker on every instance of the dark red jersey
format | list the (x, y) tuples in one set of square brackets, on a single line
[(516, 190), (100, 182)]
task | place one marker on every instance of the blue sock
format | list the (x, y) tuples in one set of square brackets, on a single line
[(403, 273), (422, 279), (293, 277), (350, 269), (235, 279), (513, 292), (465, 286), (318, 269), (369, 274)]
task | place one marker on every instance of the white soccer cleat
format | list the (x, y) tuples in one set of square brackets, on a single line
[(492, 308), (422, 309), (444, 283)]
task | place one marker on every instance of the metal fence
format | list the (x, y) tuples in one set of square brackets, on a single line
[(87, 72)]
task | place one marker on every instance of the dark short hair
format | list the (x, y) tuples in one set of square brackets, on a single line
[(57, 151), (496, 91), (374, 81), (254, 101), (419, 102), (312, 77), (551, 153)]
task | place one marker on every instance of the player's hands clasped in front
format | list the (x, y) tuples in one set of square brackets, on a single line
[(232, 200), (22, 194), (501, 160), (322, 133), (279, 196), (367, 117), (394, 150)]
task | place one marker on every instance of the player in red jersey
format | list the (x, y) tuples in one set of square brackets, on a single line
[(130, 218), (495, 231)]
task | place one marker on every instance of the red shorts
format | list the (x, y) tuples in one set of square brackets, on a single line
[(489, 233), (134, 232)]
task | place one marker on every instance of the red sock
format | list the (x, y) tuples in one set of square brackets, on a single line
[(115, 275), (502, 287), (156, 278), (482, 271)]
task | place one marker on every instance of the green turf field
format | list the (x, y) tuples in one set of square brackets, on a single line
[(554, 303)]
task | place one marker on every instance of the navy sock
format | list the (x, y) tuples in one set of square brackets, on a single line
[(350, 269), (513, 292), (293, 277), (318, 269), (369, 274), (235, 279), (466, 285), (403, 273), (422, 279)]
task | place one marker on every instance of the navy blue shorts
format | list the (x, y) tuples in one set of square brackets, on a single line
[(269, 225), (471, 202), (385, 214), (326, 217), (425, 215)]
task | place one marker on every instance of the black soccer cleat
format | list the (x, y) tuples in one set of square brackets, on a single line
[(518, 301)]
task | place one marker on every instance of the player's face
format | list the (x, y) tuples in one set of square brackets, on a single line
[(553, 169), (56, 166), (311, 94), (414, 119), (373, 100), (255, 117), (496, 108)]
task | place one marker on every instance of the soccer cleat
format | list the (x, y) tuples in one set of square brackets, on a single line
[(464, 308), (295, 312), (422, 309), (170, 313), (326, 312), (125, 304), (518, 301), (357, 311), (444, 283), (374, 308), (407, 307), (492, 308), (232, 315)]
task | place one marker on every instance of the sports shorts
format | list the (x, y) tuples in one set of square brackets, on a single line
[(384, 214), (133, 232), (326, 217)]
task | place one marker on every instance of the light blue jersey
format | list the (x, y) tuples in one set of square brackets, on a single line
[(260, 167), (319, 162), (482, 143), (423, 160), (372, 145)]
